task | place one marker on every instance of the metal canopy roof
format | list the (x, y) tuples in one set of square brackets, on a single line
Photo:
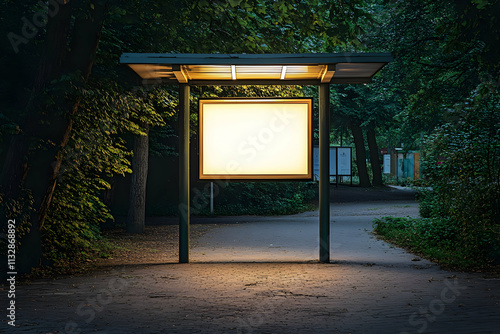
[(238, 69)]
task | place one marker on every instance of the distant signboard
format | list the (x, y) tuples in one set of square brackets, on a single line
[(387, 163), (340, 160), (333, 162), (345, 162)]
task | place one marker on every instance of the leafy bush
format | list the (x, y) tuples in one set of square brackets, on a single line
[(439, 239), (93, 155), (428, 204), (264, 198), (462, 165)]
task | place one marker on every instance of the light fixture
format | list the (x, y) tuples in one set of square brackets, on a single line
[(180, 73), (233, 72), (283, 73), (328, 73)]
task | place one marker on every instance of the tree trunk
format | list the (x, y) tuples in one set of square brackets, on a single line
[(374, 157), (359, 142), (137, 200)]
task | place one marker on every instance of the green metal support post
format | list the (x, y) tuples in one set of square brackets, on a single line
[(324, 173), (184, 173)]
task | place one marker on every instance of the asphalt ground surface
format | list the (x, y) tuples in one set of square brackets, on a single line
[(261, 275)]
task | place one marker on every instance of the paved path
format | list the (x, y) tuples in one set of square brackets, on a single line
[(296, 238), (260, 275)]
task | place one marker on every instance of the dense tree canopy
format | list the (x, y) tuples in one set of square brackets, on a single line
[(69, 111)]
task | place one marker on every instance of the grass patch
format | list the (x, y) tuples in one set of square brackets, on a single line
[(440, 240)]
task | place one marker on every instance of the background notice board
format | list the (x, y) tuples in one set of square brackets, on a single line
[(340, 161)]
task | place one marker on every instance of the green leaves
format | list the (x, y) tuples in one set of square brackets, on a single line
[(462, 164), (234, 3), (437, 239), (481, 4), (96, 153), (262, 198)]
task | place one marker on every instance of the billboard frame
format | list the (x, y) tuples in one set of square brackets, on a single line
[(228, 175)]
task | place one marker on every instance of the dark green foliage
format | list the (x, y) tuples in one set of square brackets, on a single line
[(428, 204), (419, 233), (265, 198), (440, 240), (445, 82), (94, 154), (462, 164), (461, 210)]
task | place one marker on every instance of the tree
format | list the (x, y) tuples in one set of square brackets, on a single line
[(359, 142), (374, 157), (364, 109)]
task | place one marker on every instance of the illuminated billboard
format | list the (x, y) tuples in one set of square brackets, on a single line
[(253, 139)]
